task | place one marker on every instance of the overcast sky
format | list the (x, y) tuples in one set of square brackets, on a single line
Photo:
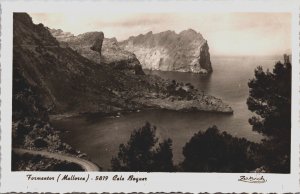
[(226, 33)]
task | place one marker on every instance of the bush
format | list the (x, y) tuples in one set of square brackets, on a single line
[(65, 166), (40, 143)]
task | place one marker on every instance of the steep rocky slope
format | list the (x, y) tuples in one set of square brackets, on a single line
[(63, 79), (187, 51), (110, 52), (34, 91)]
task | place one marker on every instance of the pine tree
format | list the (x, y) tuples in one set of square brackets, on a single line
[(213, 151), (139, 154), (270, 99)]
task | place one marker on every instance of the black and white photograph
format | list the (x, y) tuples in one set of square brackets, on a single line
[(152, 92), (152, 96)]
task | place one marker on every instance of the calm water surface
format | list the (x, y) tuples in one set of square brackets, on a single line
[(100, 137)]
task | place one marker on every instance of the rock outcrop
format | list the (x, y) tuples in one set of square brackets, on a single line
[(82, 43), (120, 58), (95, 47), (187, 51), (61, 35)]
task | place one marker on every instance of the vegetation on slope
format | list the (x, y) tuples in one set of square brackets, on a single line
[(28, 162)]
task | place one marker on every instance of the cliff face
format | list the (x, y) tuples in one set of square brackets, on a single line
[(187, 51), (108, 52), (82, 43)]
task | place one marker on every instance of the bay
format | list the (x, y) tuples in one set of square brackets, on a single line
[(100, 137)]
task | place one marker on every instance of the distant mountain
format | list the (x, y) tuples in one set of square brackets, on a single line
[(187, 51)]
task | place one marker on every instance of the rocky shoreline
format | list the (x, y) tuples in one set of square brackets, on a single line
[(203, 103), (213, 105)]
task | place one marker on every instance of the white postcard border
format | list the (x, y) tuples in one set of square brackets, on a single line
[(157, 182)]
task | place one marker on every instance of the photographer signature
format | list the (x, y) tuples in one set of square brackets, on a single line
[(251, 179)]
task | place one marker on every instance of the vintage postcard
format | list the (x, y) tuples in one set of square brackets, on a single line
[(150, 96)]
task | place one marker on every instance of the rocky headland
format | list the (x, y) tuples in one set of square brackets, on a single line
[(187, 51)]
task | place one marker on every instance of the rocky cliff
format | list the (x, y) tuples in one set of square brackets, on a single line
[(110, 52), (187, 51)]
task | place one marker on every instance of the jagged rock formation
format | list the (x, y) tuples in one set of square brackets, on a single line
[(82, 43), (61, 35), (120, 58), (204, 60), (107, 51), (97, 46), (187, 51)]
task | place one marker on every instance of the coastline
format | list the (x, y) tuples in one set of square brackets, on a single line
[(153, 104)]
